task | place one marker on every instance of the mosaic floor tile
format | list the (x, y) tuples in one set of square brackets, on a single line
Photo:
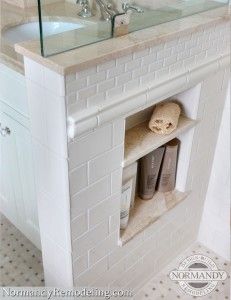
[(20, 260), (161, 287), (21, 265)]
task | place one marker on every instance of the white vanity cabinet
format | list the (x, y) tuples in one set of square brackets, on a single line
[(17, 184)]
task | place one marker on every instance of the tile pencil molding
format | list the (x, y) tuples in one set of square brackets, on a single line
[(78, 130), (88, 119)]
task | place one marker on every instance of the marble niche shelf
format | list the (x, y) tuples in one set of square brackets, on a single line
[(140, 140), (148, 212)]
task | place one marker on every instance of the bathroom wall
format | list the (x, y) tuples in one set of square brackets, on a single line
[(97, 258), (85, 176), (30, 3), (215, 225), (152, 3)]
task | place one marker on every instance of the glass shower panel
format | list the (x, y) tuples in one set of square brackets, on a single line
[(162, 11), (69, 24), (62, 28)]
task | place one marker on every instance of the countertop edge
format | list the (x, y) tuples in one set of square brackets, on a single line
[(12, 64)]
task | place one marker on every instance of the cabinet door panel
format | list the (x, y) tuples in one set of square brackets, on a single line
[(17, 188)]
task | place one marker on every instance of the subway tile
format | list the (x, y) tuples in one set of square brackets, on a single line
[(74, 86), (157, 65), (106, 163), (71, 99), (81, 151), (56, 227), (87, 92), (117, 71), (87, 72), (106, 66), (170, 60), (116, 181), (48, 118), (115, 92), (132, 85), (96, 100), (121, 252), (103, 210), (132, 65), (97, 78), (120, 80), (105, 247), (79, 226), (127, 276), (90, 239), (37, 110), (149, 77), (140, 72), (77, 106), (114, 222), (78, 179), (164, 53), (106, 278), (51, 174), (106, 85), (87, 278), (80, 265), (118, 132), (90, 196), (70, 77), (56, 123), (149, 59)]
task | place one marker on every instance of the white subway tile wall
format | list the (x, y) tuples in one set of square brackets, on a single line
[(86, 179), (131, 265)]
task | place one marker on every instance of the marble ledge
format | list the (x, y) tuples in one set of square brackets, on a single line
[(12, 63), (88, 56)]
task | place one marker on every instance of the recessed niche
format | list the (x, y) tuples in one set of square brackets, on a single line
[(140, 141)]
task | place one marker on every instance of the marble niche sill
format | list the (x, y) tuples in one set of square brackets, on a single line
[(147, 212)]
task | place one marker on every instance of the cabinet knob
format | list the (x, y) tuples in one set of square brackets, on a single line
[(4, 131)]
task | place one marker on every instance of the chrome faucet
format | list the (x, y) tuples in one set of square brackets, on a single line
[(127, 7), (107, 10), (86, 9)]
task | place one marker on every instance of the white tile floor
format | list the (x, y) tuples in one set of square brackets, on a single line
[(20, 260), (161, 287), (21, 265)]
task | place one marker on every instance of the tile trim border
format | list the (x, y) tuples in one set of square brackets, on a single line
[(91, 118)]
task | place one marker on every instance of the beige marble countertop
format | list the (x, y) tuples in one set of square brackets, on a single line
[(87, 56), (11, 16)]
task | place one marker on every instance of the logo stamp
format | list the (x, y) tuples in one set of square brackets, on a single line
[(198, 275)]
